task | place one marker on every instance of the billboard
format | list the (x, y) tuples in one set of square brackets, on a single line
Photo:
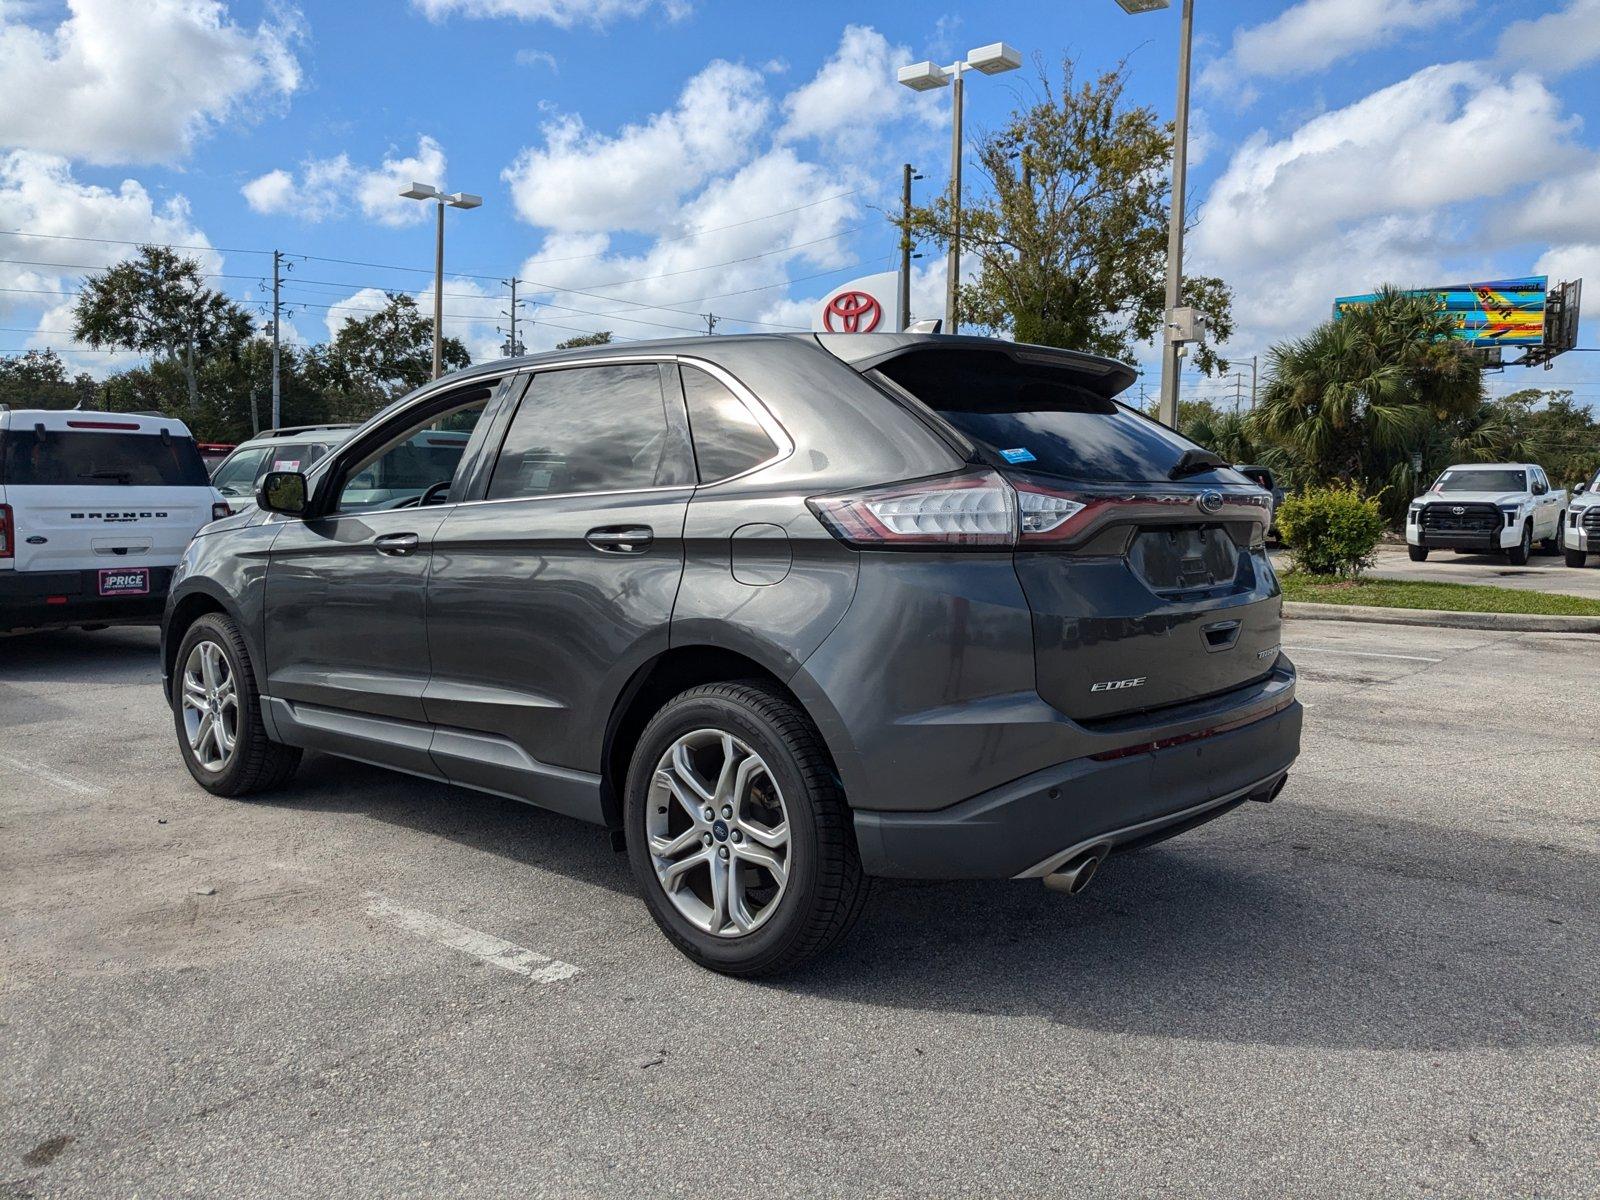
[(1501, 312)]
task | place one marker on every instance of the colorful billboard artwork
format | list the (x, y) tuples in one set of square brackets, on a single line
[(1502, 312)]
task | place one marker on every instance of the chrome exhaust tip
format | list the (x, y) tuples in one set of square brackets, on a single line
[(1074, 876)]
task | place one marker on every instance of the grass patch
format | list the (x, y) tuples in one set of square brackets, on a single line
[(1446, 597)]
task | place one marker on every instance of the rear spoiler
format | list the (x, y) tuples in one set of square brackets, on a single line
[(1104, 376)]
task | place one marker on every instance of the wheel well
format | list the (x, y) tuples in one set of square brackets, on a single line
[(653, 685), (188, 610)]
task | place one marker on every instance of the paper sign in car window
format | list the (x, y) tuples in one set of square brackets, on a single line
[(1018, 455), (286, 464)]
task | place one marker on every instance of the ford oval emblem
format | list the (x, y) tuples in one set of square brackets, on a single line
[(1210, 502), (36, 540)]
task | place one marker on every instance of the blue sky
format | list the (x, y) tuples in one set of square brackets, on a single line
[(651, 160)]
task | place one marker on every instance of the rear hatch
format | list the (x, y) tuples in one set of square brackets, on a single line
[(1157, 589), (101, 497)]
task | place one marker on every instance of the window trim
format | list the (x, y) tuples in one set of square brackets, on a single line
[(763, 417)]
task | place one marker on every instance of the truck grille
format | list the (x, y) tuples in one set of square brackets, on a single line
[(1591, 519), (1461, 518)]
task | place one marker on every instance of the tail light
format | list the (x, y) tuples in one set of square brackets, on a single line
[(8, 533), (973, 509), (220, 509), (980, 508)]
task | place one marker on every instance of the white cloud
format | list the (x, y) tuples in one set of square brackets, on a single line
[(853, 94), (564, 13), (1435, 139), (331, 187), (582, 180), (270, 193), (538, 58), (58, 217), (137, 82), (1315, 34), (1558, 41)]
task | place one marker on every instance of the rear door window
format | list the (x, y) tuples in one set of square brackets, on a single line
[(727, 438), (80, 458), (590, 429), (1041, 418)]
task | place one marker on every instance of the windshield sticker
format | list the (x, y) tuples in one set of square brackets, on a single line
[(1019, 455)]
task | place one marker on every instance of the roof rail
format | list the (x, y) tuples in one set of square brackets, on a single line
[(285, 430)]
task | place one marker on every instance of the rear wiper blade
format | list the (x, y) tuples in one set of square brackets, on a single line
[(1195, 461)]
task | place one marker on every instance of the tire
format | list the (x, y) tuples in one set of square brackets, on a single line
[(1520, 553), (255, 763), (1552, 545), (1576, 558), (823, 890), (1418, 553)]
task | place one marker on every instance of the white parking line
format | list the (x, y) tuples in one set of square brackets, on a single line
[(1362, 653), (55, 778), (497, 952)]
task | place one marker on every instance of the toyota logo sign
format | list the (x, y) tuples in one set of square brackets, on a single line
[(854, 312), (1458, 510)]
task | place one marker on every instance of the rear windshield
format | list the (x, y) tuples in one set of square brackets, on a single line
[(1038, 418), (1482, 481), (96, 458)]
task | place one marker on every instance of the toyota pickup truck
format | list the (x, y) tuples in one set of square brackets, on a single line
[(1488, 508), (1582, 528)]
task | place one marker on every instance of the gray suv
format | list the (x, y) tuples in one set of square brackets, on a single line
[(784, 613)]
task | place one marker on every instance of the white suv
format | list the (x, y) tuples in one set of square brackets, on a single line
[(95, 511)]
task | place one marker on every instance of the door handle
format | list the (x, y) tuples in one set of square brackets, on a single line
[(397, 545), (621, 539)]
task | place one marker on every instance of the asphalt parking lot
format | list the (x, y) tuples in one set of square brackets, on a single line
[(1387, 982)]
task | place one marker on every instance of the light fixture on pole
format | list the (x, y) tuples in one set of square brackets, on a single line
[(925, 77), (423, 191), (1171, 345)]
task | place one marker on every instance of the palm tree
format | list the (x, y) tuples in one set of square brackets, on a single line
[(1357, 395)]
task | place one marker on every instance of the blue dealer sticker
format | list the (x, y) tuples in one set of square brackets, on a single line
[(1019, 455)]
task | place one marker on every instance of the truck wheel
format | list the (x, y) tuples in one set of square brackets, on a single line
[(216, 708), (1520, 553), (738, 832), (1552, 544), (1575, 558), (1418, 553)]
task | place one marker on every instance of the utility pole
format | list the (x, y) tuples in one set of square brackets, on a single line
[(277, 391), (1238, 391), (512, 347), (1253, 359), (711, 322), (907, 174)]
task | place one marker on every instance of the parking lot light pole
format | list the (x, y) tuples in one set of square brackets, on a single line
[(993, 59), (423, 191), (1170, 347)]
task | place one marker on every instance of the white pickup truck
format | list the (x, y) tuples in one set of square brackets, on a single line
[(1582, 530), (1489, 508), (95, 510)]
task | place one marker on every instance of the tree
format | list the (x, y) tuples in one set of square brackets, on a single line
[(389, 352), (1531, 425), (157, 303), (38, 379), (1353, 399), (602, 338), (1071, 236)]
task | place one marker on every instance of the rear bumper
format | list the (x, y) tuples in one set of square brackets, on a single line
[(53, 599), (1022, 828)]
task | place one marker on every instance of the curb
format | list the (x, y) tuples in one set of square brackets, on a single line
[(1305, 610)]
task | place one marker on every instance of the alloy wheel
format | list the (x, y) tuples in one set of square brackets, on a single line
[(718, 833), (210, 706)]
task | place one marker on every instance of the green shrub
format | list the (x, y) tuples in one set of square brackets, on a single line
[(1332, 530)]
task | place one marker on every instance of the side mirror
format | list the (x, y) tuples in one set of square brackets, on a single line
[(1540, 489), (1579, 490), (283, 492)]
